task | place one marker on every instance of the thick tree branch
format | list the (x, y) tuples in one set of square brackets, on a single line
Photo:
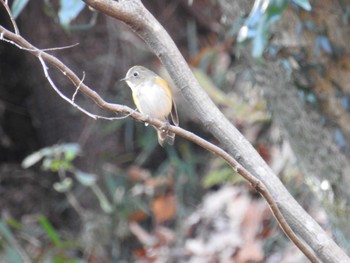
[(133, 13)]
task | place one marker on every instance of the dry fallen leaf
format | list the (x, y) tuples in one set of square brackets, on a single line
[(137, 216), (164, 207)]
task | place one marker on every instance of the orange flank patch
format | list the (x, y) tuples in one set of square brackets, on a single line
[(136, 101), (163, 83)]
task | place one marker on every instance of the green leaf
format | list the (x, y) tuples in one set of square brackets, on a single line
[(104, 203), (218, 177), (55, 165), (12, 255), (50, 231), (63, 186), (14, 223), (71, 150), (18, 6), (256, 27), (47, 164), (303, 4), (85, 179), (6, 233), (53, 158), (11, 249), (260, 39), (32, 159), (69, 10), (275, 9)]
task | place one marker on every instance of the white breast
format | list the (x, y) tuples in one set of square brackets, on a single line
[(153, 101)]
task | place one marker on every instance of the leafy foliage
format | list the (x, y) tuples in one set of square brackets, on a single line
[(54, 158), (262, 16)]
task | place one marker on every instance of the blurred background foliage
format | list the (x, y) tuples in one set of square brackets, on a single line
[(77, 190)]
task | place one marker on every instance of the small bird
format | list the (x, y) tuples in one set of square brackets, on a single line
[(152, 97)]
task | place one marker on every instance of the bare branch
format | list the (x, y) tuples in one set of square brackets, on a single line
[(47, 76), (7, 8), (59, 48)]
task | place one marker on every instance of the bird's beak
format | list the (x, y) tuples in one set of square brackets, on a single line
[(124, 79)]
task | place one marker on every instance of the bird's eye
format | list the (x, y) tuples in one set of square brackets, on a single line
[(135, 74)]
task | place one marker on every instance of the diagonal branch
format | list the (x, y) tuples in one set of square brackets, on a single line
[(134, 14), (41, 55)]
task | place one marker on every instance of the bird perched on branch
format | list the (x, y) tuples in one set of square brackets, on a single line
[(153, 97)]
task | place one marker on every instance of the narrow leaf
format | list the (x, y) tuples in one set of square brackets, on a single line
[(85, 179), (303, 4), (63, 186), (17, 7), (69, 10), (104, 203), (50, 231), (5, 232), (32, 159)]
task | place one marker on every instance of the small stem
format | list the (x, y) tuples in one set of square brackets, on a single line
[(72, 200), (15, 27)]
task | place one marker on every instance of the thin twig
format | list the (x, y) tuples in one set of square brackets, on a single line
[(47, 76), (60, 48), (77, 89), (71, 101), (15, 27), (36, 49), (115, 118), (73, 201)]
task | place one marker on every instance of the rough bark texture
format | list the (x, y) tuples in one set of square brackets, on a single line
[(318, 155)]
